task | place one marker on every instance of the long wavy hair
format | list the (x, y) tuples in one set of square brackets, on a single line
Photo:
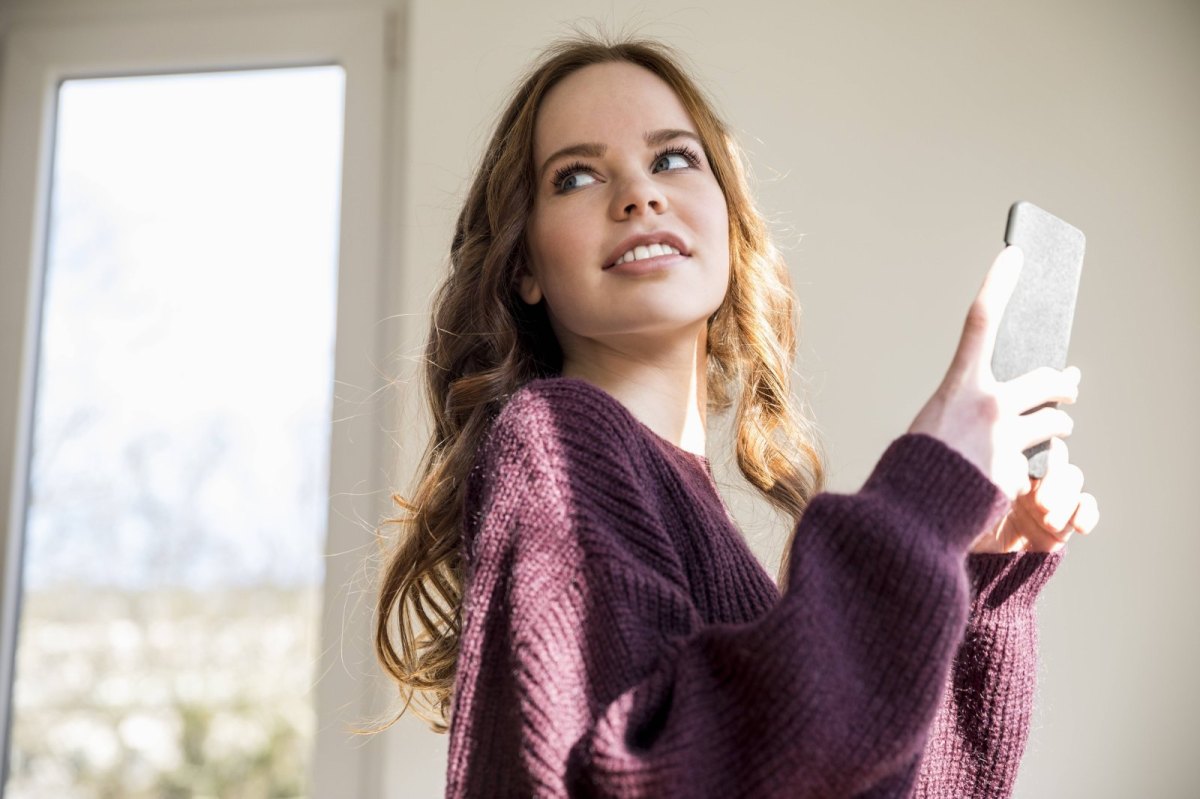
[(485, 343)]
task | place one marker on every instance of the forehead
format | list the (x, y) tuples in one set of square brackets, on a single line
[(606, 103)]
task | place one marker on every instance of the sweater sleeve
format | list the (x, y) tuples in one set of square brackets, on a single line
[(586, 670), (979, 736)]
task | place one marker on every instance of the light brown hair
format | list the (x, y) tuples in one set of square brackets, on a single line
[(485, 343)]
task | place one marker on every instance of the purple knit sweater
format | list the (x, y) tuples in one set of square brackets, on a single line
[(620, 639)]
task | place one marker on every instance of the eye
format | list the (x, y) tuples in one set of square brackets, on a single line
[(690, 158), (570, 171), (563, 180)]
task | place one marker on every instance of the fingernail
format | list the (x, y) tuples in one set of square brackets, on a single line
[(1013, 256)]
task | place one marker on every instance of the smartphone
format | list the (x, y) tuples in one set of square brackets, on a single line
[(1036, 327)]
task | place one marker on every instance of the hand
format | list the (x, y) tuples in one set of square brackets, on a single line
[(1043, 519), (985, 420)]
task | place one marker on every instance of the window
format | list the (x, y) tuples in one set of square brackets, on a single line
[(176, 577)]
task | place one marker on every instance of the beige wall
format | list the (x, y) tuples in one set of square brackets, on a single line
[(889, 141)]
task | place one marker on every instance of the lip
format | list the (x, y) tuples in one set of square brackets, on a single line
[(643, 239), (644, 266)]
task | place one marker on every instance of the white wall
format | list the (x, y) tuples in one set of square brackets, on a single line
[(889, 141)]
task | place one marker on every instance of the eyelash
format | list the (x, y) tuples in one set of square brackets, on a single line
[(564, 172)]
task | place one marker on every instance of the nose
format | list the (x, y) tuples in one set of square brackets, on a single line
[(638, 192)]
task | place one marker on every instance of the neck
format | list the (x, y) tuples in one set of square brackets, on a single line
[(663, 386)]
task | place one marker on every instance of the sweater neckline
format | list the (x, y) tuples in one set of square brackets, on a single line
[(646, 429)]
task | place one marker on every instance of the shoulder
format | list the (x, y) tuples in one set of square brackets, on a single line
[(566, 397), (559, 422), (552, 443), (557, 459)]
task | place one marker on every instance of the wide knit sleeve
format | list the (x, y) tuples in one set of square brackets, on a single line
[(980, 732), (586, 670)]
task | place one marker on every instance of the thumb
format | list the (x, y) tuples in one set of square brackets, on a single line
[(983, 319)]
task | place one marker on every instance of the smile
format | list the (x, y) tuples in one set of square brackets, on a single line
[(641, 253)]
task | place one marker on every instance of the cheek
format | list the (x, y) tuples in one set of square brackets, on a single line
[(557, 257), (554, 238), (535, 239), (718, 223), (716, 213)]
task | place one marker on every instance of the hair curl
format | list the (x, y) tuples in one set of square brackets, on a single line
[(485, 343)]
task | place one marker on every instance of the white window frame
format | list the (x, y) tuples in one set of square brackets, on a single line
[(38, 56)]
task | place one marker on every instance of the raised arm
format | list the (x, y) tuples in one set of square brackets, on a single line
[(587, 670)]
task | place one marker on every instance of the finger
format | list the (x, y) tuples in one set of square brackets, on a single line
[(1057, 463), (1042, 385), (1087, 515), (1043, 535), (1057, 457), (1038, 536), (1012, 473), (1034, 428), (1058, 495), (983, 319)]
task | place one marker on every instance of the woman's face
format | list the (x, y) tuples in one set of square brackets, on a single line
[(628, 183)]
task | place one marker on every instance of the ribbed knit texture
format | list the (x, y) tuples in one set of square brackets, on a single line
[(620, 639)]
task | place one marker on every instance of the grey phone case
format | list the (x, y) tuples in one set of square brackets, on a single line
[(1036, 327)]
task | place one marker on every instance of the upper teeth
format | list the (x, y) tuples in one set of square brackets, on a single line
[(651, 251)]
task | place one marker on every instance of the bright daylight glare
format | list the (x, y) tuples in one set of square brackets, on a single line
[(174, 537)]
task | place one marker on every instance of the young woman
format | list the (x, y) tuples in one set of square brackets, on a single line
[(574, 595)]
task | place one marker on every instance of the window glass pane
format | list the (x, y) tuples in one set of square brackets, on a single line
[(174, 540)]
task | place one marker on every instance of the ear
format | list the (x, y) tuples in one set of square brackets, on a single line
[(530, 291)]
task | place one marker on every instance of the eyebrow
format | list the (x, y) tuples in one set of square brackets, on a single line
[(596, 150)]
